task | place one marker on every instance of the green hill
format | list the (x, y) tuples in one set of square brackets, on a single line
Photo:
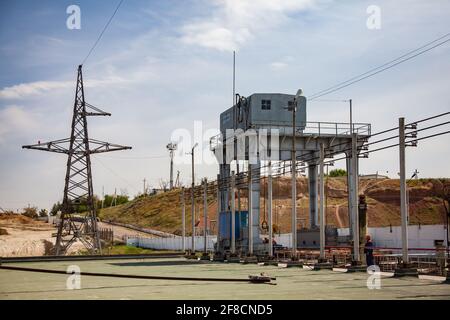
[(163, 212)]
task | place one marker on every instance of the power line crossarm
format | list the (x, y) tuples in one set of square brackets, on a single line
[(62, 146)]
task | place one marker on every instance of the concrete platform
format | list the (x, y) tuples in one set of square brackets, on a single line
[(291, 283)]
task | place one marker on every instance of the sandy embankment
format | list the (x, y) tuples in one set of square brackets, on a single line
[(26, 237)]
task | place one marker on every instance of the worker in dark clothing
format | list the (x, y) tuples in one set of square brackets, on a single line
[(368, 250), (274, 244)]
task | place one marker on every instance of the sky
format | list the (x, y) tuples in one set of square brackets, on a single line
[(163, 66)]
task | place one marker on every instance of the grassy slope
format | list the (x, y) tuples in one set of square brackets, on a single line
[(163, 212), (122, 249)]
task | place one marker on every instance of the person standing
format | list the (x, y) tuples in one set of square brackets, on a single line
[(368, 250)]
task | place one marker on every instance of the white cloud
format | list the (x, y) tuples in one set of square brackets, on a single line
[(160, 86), (23, 90), (15, 119), (37, 88), (277, 65), (234, 22)]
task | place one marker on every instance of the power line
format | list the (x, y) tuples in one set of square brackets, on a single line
[(403, 58), (303, 157), (330, 100), (385, 64), (118, 176), (136, 158), (103, 31)]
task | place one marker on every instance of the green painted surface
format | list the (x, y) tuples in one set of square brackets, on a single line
[(291, 283)]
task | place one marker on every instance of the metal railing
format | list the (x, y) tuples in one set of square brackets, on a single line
[(337, 128), (386, 262), (310, 128), (430, 265), (430, 262)]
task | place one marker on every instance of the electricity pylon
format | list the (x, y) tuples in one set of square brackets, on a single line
[(78, 215)]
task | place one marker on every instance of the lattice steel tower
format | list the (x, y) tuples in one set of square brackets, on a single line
[(78, 216)]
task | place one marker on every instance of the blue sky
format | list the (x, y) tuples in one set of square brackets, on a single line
[(162, 65)]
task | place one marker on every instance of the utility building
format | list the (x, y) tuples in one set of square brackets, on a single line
[(273, 127)]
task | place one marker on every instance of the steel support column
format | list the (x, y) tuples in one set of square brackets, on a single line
[(403, 197), (183, 220), (250, 211), (313, 199), (349, 193), (269, 207), (322, 203), (205, 215), (233, 213), (354, 197), (219, 240), (193, 205)]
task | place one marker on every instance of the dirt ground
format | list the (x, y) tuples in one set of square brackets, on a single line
[(24, 236), (25, 242), (27, 237)]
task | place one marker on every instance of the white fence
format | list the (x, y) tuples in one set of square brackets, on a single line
[(418, 237), (172, 243), (284, 239)]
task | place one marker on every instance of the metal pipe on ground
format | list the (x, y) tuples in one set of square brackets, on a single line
[(251, 278)]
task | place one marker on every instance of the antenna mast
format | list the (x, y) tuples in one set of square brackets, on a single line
[(171, 147)]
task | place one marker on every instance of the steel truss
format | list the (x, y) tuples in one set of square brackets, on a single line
[(78, 190)]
